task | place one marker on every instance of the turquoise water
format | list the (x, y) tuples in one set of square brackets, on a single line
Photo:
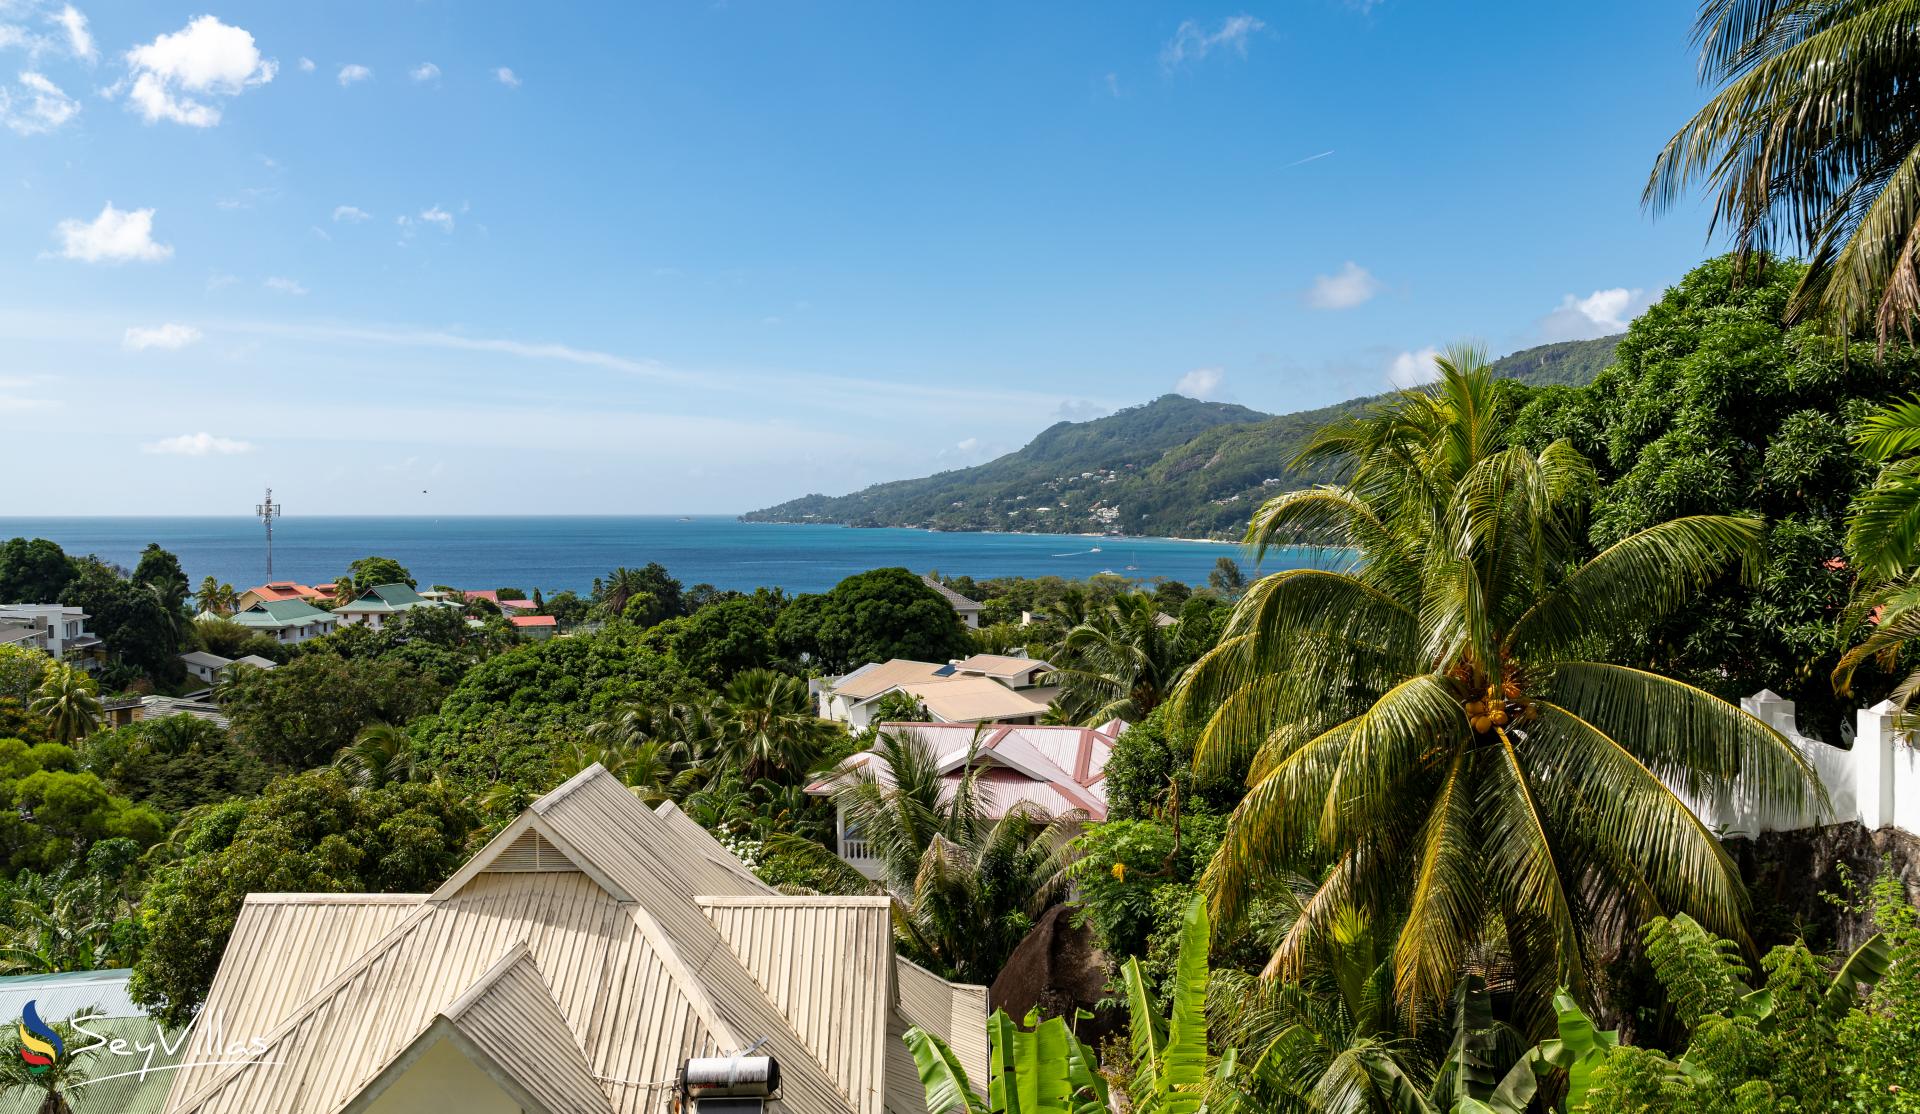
[(560, 553)]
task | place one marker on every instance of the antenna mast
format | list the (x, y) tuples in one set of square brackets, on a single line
[(267, 512)]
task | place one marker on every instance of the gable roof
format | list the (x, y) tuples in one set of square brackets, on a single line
[(284, 590), (874, 678), (532, 620), (970, 698), (959, 602), (649, 942), (205, 660), (388, 597), (1057, 769), (1000, 665), (280, 613)]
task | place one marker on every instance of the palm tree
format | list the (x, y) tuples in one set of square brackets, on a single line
[(766, 723), (54, 1080), (380, 755), (1883, 544), (620, 586), (1120, 662), (1426, 724), (965, 887), (1810, 144), (215, 596), (66, 700)]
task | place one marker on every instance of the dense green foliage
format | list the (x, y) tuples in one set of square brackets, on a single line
[(872, 616), (301, 714), (51, 810), (1172, 467), (1714, 407)]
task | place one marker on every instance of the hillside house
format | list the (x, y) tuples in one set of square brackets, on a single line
[(288, 621)]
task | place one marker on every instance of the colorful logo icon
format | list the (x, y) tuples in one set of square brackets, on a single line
[(40, 1046)]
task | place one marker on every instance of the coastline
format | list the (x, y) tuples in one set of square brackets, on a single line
[(1011, 533)]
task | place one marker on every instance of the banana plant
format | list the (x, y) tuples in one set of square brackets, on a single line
[(1172, 1073), (1038, 1068)]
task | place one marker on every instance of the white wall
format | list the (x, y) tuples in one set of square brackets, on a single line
[(1877, 783)]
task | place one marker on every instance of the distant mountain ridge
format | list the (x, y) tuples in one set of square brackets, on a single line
[(1174, 467)]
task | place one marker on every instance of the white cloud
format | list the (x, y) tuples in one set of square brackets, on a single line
[(168, 336), (425, 71), (206, 57), (438, 216), (307, 66), (1413, 369), (196, 444), (1192, 41), (1202, 383), (1601, 313), (969, 444), (115, 236), (506, 77), (284, 285), (1350, 286), (79, 39), (354, 71), (350, 214), (36, 106)]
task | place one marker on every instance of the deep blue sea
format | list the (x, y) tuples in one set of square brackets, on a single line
[(555, 553)]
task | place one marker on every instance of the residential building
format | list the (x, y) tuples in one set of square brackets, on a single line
[(134, 709), (379, 604), (26, 634), (67, 635), (990, 689), (116, 1081), (279, 591), (969, 610), (288, 621), (1055, 771), (576, 964), (537, 627), (492, 596), (207, 667)]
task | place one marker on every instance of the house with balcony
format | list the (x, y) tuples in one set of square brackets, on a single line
[(24, 634), (67, 636), (1055, 771), (596, 957), (383, 603), (289, 621)]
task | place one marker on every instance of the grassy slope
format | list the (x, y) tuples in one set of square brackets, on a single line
[(1173, 466)]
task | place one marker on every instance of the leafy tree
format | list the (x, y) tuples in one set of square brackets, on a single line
[(567, 607), (313, 832), (50, 812), (77, 918), (174, 763), (159, 572), (1808, 143), (1714, 407), (657, 592), (21, 671), (222, 636), (371, 572), (133, 621), (1426, 724), (725, 638), (33, 571), (67, 702), (303, 713), (874, 616), (1226, 578)]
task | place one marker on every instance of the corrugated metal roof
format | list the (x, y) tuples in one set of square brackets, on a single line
[(646, 946), (60, 996), (870, 681)]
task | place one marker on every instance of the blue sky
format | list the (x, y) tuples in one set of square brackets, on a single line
[(443, 258)]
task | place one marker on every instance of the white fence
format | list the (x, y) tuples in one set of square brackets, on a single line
[(1876, 783)]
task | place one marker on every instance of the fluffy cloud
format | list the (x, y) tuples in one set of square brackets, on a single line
[(168, 336), (115, 236), (196, 444), (1413, 369), (1192, 41), (1348, 287), (207, 57), (350, 214), (438, 216), (506, 77), (425, 71), (36, 106), (1202, 383), (284, 285), (1601, 313), (79, 39), (354, 71)]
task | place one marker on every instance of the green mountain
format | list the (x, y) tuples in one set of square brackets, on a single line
[(1173, 467)]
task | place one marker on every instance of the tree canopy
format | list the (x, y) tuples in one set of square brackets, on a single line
[(873, 616)]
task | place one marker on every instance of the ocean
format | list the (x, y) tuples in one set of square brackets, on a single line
[(556, 553)]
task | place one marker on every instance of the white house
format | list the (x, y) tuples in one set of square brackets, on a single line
[(66, 627), (383, 602), (207, 667), (991, 690), (968, 610), (288, 621), (27, 635)]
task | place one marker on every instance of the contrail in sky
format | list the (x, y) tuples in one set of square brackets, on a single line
[(1308, 159)]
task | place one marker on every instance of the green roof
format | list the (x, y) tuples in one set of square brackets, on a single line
[(279, 613), (389, 597)]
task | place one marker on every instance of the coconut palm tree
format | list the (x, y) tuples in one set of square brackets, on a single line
[(1426, 729), (380, 755), (966, 887), (1883, 545), (766, 722), (66, 700), (1810, 145), (1120, 662), (619, 587), (52, 1081), (215, 596)]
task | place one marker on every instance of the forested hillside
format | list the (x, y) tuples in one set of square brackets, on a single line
[(1173, 467)]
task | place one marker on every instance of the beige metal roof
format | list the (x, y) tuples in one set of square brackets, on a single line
[(1000, 665), (871, 680), (592, 939), (965, 698)]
